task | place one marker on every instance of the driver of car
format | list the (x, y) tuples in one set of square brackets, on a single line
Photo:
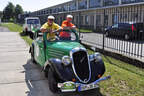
[(66, 24), (51, 28)]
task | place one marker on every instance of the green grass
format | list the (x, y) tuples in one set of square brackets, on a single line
[(12, 27), (17, 28), (85, 30), (126, 80)]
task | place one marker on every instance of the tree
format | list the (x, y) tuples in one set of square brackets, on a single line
[(1, 14), (18, 10), (9, 11)]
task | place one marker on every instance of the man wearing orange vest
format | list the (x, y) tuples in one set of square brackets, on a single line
[(66, 24)]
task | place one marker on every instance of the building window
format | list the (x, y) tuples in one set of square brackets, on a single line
[(72, 6), (111, 2), (114, 19), (60, 9), (77, 21), (81, 20), (82, 4), (47, 11), (131, 1), (134, 16), (106, 20), (44, 11), (65, 8), (55, 10), (50, 11), (94, 3), (92, 20), (86, 19), (98, 20)]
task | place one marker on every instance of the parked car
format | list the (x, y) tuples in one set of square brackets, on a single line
[(67, 63), (126, 30), (30, 24)]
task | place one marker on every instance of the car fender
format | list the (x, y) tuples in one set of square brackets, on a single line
[(64, 73), (97, 70)]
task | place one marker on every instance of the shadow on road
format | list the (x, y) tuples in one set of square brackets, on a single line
[(38, 84)]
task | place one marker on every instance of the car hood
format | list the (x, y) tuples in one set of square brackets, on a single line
[(59, 49)]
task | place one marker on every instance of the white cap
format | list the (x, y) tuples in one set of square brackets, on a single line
[(69, 16), (51, 17)]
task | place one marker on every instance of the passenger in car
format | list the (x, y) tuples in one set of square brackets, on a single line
[(51, 28), (66, 24)]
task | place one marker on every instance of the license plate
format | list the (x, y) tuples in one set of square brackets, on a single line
[(88, 87)]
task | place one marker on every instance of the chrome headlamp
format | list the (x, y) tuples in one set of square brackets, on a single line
[(66, 60), (96, 56)]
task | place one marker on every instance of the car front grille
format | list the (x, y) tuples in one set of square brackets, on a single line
[(81, 65)]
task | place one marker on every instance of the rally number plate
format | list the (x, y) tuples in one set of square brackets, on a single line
[(88, 87)]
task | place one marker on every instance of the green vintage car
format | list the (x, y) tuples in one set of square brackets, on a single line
[(66, 62)]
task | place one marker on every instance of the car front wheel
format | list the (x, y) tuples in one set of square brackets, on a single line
[(52, 81)]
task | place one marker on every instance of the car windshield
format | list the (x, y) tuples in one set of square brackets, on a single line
[(66, 35), (33, 21)]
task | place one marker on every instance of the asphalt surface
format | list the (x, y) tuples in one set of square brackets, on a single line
[(130, 48), (18, 75)]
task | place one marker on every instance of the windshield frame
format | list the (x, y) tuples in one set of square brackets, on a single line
[(74, 32)]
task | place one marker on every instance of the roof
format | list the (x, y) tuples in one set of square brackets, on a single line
[(31, 18)]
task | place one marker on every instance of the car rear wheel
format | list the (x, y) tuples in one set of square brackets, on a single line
[(52, 81), (126, 37)]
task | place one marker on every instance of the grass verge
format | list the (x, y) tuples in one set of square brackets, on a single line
[(127, 80), (86, 30)]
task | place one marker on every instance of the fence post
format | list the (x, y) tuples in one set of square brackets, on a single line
[(79, 14), (104, 31)]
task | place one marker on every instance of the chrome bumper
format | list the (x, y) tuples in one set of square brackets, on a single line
[(72, 86)]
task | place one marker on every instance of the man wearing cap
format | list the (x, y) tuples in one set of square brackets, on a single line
[(66, 24), (51, 28)]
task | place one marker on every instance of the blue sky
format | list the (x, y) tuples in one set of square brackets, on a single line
[(32, 5)]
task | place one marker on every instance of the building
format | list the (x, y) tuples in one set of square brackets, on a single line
[(95, 14)]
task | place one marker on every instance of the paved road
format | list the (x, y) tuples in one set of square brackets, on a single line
[(18, 75), (115, 44)]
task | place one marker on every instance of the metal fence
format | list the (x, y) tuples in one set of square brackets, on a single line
[(116, 39)]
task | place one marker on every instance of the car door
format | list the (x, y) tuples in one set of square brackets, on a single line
[(39, 51), (120, 30), (114, 29)]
